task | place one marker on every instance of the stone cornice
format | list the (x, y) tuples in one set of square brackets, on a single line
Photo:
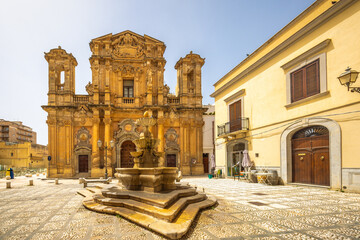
[(307, 54), (321, 19)]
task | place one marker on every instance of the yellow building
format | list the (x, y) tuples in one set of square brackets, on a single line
[(23, 155), (127, 80), (285, 105)]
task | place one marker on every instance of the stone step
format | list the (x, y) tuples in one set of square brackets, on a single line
[(174, 230), (162, 200), (166, 214)]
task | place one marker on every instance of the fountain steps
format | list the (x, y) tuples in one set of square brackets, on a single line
[(162, 200), (166, 214), (184, 211)]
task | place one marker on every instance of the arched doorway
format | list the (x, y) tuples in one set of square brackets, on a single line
[(234, 155), (310, 156), (126, 158)]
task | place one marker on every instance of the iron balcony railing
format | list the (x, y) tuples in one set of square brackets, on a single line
[(240, 124)]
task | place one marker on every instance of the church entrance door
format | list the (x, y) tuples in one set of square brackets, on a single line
[(126, 158), (83, 163)]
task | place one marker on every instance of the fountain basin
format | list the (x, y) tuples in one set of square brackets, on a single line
[(148, 179)]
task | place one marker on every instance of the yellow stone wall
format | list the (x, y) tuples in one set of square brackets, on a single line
[(23, 155), (98, 115), (265, 89)]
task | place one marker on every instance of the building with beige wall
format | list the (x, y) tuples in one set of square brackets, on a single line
[(15, 131), (127, 80), (285, 105), (23, 155), (208, 136)]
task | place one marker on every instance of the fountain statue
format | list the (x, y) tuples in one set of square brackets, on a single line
[(147, 193), (146, 174)]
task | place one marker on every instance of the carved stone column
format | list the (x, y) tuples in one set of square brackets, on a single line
[(95, 138), (107, 139), (161, 138)]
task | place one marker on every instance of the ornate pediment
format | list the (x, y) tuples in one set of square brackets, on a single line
[(127, 45)]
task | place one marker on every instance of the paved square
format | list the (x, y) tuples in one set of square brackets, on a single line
[(245, 211)]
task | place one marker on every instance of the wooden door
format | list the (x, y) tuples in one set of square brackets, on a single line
[(310, 156), (126, 158), (83, 163), (235, 116), (206, 162), (171, 160)]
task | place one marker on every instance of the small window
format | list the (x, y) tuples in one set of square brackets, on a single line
[(305, 81), (12, 154), (128, 88)]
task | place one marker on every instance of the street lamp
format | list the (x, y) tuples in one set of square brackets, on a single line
[(106, 147), (349, 77)]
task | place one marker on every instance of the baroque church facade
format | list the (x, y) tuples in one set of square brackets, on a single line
[(127, 80)]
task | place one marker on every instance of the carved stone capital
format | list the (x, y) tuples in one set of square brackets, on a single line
[(107, 120)]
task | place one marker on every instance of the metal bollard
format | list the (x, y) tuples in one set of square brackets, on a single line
[(8, 184), (56, 181), (31, 182)]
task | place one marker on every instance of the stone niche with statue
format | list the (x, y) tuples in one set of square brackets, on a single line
[(127, 80)]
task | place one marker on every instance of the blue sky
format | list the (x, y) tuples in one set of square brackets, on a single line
[(222, 31)]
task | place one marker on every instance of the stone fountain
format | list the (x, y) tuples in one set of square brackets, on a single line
[(146, 174), (147, 193)]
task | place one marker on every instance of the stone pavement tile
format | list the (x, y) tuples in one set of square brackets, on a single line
[(104, 238), (5, 229), (36, 220), (228, 208), (296, 236), (223, 218), (266, 238), (137, 236), (291, 212), (197, 234), (61, 217), (244, 208), (313, 221), (246, 217), (80, 223), (28, 228), (333, 208), (349, 232), (102, 231), (247, 229), (45, 235), (224, 231), (293, 224), (16, 237), (73, 233), (353, 216), (52, 226), (334, 220), (271, 226), (317, 210), (204, 220), (10, 222), (103, 219), (127, 228), (327, 234), (266, 215)]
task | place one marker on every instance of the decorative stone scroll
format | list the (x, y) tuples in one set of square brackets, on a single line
[(171, 140)]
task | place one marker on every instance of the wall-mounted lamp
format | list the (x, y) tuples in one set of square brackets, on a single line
[(349, 77)]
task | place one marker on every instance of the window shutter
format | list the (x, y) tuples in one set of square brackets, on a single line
[(235, 116), (297, 85), (312, 76)]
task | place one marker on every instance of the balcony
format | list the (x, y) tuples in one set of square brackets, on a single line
[(81, 99), (128, 100), (173, 100), (233, 127)]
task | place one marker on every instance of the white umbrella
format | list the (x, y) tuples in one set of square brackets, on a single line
[(246, 163), (212, 161)]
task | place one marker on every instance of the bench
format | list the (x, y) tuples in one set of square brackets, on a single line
[(86, 181)]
